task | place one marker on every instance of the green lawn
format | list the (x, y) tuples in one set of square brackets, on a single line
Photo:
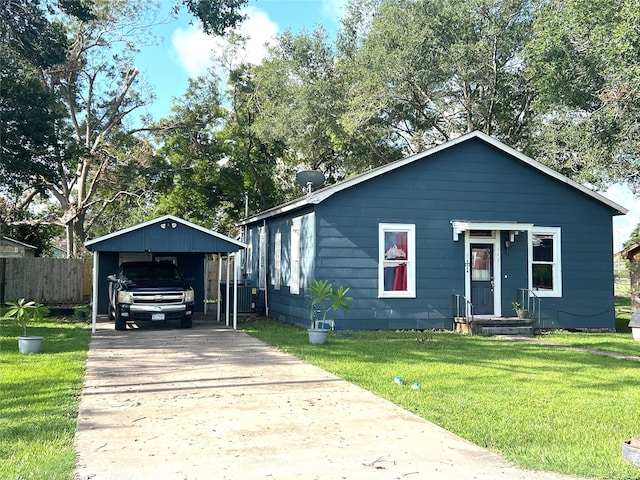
[(39, 397), (539, 406), (542, 407)]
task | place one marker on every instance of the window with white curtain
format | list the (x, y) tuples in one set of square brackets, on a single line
[(294, 281)]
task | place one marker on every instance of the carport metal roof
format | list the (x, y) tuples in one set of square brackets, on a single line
[(167, 234)]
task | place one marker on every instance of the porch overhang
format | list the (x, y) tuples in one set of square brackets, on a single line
[(461, 226)]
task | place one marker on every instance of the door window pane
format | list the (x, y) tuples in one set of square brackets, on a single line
[(481, 264)]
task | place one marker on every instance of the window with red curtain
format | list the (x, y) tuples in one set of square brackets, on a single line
[(397, 252)]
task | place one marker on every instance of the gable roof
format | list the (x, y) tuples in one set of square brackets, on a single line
[(322, 194), (7, 240), (227, 244), (631, 252)]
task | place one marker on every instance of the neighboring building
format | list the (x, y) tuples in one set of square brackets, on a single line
[(471, 218), (632, 253), (58, 249), (10, 248)]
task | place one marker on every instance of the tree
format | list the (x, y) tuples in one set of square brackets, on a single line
[(215, 159), (426, 71), (301, 92), (583, 63), (84, 86), (30, 42), (190, 184), (217, 16)]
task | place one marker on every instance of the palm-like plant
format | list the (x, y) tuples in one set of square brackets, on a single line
[(324, 297), (23, 311)]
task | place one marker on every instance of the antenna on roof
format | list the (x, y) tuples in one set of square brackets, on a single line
[(310, 179)]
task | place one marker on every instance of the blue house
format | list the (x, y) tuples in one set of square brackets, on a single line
[(461, 230)]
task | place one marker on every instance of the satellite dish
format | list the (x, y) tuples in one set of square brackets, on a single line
[(310, 179)]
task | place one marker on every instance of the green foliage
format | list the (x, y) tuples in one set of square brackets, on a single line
[(634, 237), (217, 16), (23, 312), (583, 64), (29, 42), (453, 67), (541, 407), (325, 297), (551, 78)]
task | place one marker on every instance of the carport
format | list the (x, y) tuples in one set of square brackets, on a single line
[(165, 238)]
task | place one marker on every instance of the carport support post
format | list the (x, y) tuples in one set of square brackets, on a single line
[(94, 293), (218, 289), (235, 294), (227, 305)]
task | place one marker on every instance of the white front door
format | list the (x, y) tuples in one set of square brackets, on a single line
[(483, 271)]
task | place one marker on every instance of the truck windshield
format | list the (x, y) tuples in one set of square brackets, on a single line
[(151, 272)]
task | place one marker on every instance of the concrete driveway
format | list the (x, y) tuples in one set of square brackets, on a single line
[(214, 403)]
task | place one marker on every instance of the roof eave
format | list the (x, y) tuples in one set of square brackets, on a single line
[(88, 244)]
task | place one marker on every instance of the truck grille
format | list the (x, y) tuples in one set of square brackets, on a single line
[(152, 298)]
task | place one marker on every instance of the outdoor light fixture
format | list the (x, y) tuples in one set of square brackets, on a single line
[(167, 224)]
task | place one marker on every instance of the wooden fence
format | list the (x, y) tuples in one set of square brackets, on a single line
[(51, 281)]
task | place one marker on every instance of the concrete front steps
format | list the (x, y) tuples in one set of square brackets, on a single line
[(493, 326)]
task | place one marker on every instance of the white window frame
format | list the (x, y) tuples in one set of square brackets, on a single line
[(556, 263), (294, 255), (277, 261), (410, 229), (262, 258), (249, 254)]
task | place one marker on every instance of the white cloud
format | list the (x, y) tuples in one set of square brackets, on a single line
[(623, 225), (195, 49), (334, 9)]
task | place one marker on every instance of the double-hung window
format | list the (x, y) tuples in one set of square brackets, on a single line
[(277, 261), (294, 257), (545, 268), (397, 262)]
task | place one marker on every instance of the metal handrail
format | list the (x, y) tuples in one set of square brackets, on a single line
[(462, 304), (530, 302)]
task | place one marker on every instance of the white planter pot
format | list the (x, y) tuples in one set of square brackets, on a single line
[(317, 336), (635, 331), (29, 344)]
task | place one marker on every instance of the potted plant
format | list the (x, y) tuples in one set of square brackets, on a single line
[(22, 312), (520, 311), (324, 298)]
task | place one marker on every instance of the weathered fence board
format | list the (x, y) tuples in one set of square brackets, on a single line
[(47, 280)]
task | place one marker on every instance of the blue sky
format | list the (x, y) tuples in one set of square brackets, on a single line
[(184, 51)]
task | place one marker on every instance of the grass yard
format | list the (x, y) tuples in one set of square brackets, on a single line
[(39, 396), (542, 407)]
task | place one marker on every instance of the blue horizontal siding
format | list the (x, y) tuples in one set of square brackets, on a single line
[(469, 181)]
